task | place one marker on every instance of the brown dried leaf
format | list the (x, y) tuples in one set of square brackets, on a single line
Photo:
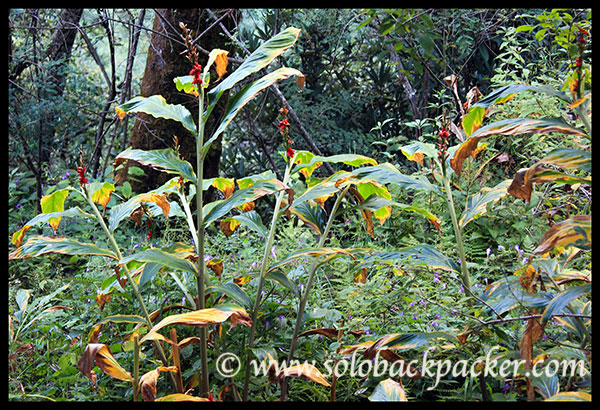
[(102, 356), (147, 383)]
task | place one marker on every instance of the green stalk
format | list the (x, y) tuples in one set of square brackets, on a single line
[(311, 278), (136, 291), (458, 233), (136, 366), (200, 244), (261, 279)]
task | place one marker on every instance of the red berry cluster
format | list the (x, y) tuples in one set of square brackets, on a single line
[(196, 71), (443, 144), (285, 132), (82, 178), (149, 235)]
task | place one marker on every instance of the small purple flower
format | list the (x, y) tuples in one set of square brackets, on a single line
[(485, 280), (501, 248), (207, 257), (462, 289), (414, 316), (488, 251), (444, 285), (436, 277), (281, 318), (273, 249), (411, 304), (519, 251)]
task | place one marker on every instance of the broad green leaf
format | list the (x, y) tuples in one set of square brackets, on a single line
[(562, 299), (388, 390), (233, 291), (257, 60), (319, 193), (123, 319), (203, 317), (100, 192), (253, 221), (55, 202), (122, 211), (219, 208), (417, 150), (421, 255), (17, 237), (165, 160), (508, 293), (575, 231), (163, 258), (474, 118), (369, 189), (280, 277), (246, 94), (40, 245), (102, 356), (158, 107), (307, 162), (184, 83), (511, 126), (386, 173), (477, 204), (311, 214)]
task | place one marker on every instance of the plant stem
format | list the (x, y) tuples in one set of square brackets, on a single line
[(136, 291), (200, 236), (458, 233), (261, 279), (136, 366), (309, 283)]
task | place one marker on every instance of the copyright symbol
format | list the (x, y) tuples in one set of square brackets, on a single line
[(228, 364)]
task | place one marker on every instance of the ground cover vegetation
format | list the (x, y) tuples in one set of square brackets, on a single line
[(394, 186)]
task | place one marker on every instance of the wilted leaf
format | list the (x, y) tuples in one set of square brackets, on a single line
[(147, 383), (511, 126), (225, 185), (327, 332), (305, 370), (101, 355), (229, 225), (101, 300), (128, 209), (533, 332), (575, 231), (203, 317)]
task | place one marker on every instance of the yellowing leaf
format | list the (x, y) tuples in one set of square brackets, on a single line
[(203, 317), (101, 192), (55, 202), (575, 231), (388, 390), (216, 265), (305, 370), (181, 397), (225, 185), (147, 383), (102, 356), (120, 113)]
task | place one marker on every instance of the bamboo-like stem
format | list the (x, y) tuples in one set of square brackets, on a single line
[(136, 366), (458, 234), (307, 288), (204, 382), (136, 291), (261, 279)]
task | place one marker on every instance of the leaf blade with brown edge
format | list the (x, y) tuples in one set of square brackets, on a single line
[(104, 359), (41, 245), (201, 318), (575, 231), (147, 383), (511, 126)]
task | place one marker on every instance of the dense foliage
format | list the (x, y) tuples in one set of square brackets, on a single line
[(396, 186)]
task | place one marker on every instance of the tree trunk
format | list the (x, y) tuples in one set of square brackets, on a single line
[(165, 61)]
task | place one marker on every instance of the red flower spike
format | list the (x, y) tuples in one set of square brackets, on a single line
[(196, 71)]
